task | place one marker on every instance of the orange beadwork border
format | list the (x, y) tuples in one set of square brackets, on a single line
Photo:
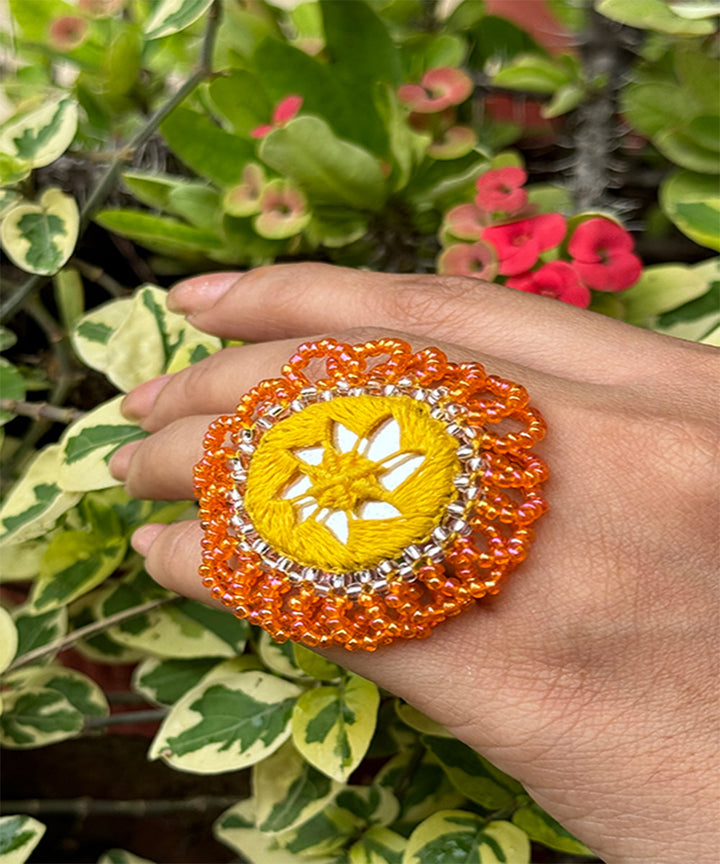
[(478, 556)]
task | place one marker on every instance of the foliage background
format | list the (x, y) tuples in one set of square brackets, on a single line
[(129, 155)]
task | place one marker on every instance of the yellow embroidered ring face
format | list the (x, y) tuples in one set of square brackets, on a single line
[(372, 502)]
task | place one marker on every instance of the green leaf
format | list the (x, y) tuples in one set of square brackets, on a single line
[(12, 386), (378, 846), (100, 648), (92, 333), (36, 716), (36, 501), (475, 777), (332, 726), (566, 99), (41, 237), (696, 71), (289, 791), (69, 296), (458, 835), (159, 233), (19, 835), (325, 834), (692, 202), (80, 691), (166, 681), (420, 722), (534, 73), (75, 562), (429, 789), (37, 630), (228, 724), (314, 665), (665, 287), (209, 150), (654, 105), (279, 657), (699, 307), (7, 338), (12, 170), (21, 561), (681, 146), (370, 805), (327, 169), (8, 199), (236, 829), (542, 828), (695, 8), (87, 445), (171, 16), (9, 639), (239, 97), (652, 15), (40, 136)]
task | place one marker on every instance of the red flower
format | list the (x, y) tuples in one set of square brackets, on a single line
[(557, 279), (439, 89), (469, 259), (603, 257), (500, 190), (283, 113), (520, 243)]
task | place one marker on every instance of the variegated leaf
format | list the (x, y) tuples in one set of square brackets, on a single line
[(39, 630), (418, 721), (8, 639), (8, 199), (100, 648), (12, 386), (21, 561), (459, 835), (87, 445), (36, 501), (325, 834), (370, 805), (121, 856), (278, 657), (41, 237), (429, 791), (42, 135), (19, 835), (378, 846), (80, 691), (289, 791), (473, 776), (74, 563), (314, 665), (35, 716), (92, 333), (227, 724), (171, 16), (542, 828), (333, 726), (236, 829), (166, 681)]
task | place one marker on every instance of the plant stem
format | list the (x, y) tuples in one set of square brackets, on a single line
[(41, 411), (139, 807), (107, 181), (126, 718), (99, 277), (87, 632)]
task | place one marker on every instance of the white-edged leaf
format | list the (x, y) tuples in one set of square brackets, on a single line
[(171, 16), (420, 722), (87, 445), (279, 657), (41, 135), (37, 630), (378, 845), (19, 835), (370, 805), (542, 828), (35, 716), (164, 681), (332, 726), (21, 561), (314, 665), (100, 648), (39, 238), (121, 856), (92, 333), (78, 689), (8, 199), (464, 836), (8, 639), (36, 501), (229, 723), (289, 791)]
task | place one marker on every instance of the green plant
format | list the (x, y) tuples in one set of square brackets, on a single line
[(280, 135)]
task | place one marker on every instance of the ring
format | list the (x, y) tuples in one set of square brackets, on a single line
[(368, 493)]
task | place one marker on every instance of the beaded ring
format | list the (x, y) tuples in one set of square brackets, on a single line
[(371, 500)]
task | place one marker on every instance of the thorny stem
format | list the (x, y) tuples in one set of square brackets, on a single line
[(87, 632), (41, 411), (107, 181)]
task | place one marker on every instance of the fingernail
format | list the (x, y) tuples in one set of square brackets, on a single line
[(201, 292), (120, 460), (139, 402), (145, 536)]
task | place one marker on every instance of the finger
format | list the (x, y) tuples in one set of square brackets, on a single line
[(215, 384), (286, 300), (161, 466)]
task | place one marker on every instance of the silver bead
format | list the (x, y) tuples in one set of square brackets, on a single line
[(435, 553), (364, 576), (296, 405), (357, 391), (261, 546), (308, 393), (407, 573), (461, 481), (379, 584), (412, 553), (353, 589), (385, 568), (440, 534), (464, 451), (455, 509), (309, 574), (389, 390), (477, 463)]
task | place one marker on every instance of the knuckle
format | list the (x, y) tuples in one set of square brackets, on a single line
[(431, 304)]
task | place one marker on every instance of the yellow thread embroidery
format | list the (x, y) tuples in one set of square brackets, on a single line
[(344, 484)]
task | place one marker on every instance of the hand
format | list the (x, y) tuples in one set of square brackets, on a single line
[(590, 677)]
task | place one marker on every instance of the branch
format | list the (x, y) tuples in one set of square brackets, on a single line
[(139, 807), (126, 718), (41, 411), (107, 181), (87, 632)]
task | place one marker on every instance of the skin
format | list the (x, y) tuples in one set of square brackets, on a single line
[(592, 676)]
